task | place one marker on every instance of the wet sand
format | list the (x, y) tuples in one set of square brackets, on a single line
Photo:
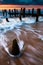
[(33, 39)]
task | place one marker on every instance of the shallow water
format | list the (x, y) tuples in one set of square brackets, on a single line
[(30, 34)]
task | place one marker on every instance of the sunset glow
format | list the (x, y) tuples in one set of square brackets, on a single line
[(20, 6)]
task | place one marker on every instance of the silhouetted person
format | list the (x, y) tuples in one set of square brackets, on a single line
[(15, 48), (7, 20)]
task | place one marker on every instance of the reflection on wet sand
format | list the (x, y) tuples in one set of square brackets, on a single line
[(32, 36)]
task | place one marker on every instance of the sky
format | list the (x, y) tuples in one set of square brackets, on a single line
[(2, 7), (23, 2)]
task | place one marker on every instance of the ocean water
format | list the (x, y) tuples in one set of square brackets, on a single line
[(27, 32)]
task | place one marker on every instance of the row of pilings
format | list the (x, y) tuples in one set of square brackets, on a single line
[(22, 13)]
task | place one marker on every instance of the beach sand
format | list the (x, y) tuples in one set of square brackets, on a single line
[(33, 52)]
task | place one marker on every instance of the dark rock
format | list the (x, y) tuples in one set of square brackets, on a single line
[(15, 48), (7, 20)]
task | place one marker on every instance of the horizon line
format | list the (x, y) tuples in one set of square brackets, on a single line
[(13, 6)]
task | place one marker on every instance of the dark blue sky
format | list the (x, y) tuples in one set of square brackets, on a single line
[(28, 2)]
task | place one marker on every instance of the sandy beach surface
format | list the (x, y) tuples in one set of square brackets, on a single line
[(32, 36)]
